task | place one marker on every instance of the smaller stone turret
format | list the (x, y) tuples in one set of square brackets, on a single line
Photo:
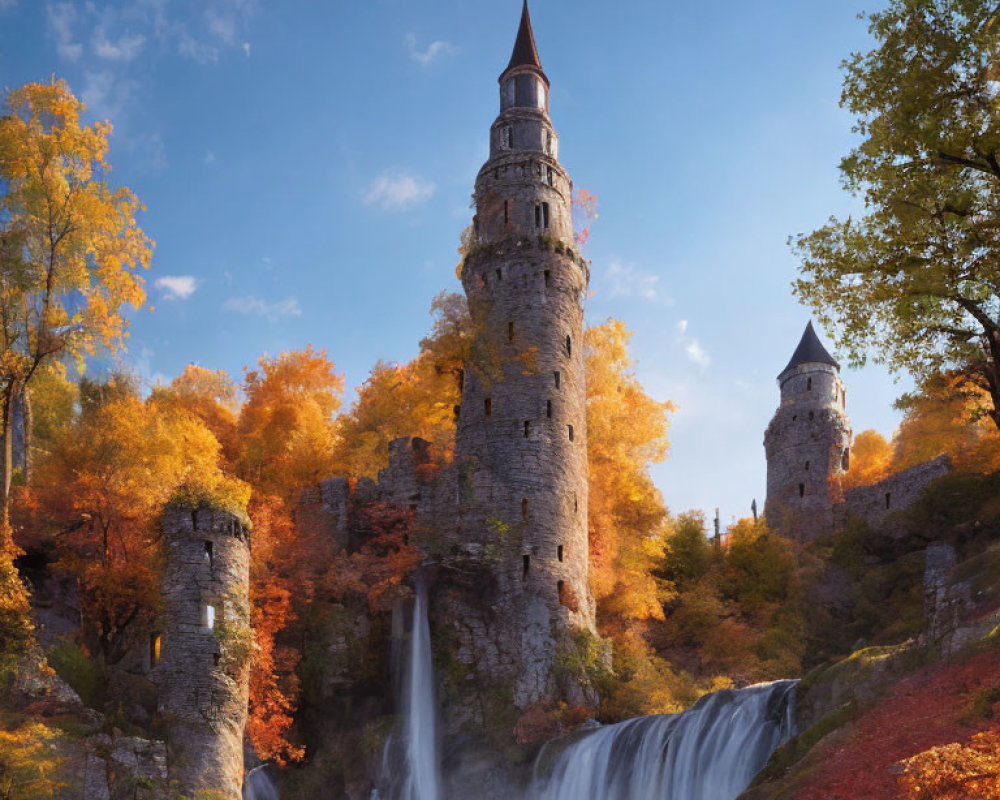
[(807, 444), (201, 651)]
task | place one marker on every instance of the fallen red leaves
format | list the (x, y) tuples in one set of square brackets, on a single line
[(926, 710)]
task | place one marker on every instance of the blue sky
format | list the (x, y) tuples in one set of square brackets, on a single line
[(307, 167)]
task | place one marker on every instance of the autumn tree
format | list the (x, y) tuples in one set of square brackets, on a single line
[(70, 248), (212, 396), (101, 488), (871, 458), (916, 279), (413, 399), (626, 433), (946, 416), (286, 425)]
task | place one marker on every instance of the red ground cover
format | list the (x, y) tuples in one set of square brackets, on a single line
[(929, 708)]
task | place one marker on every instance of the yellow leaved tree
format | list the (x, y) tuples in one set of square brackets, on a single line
[(70, 248)]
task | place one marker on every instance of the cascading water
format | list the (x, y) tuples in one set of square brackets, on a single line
[(413, 751), (259, 786), (710, 752)]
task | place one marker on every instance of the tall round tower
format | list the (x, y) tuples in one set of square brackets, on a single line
[(521, 443), (200, 653), (807, 444)]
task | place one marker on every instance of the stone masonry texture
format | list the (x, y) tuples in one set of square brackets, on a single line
[(204, 648)]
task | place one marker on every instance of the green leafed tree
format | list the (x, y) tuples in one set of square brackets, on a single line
[(915, 279)]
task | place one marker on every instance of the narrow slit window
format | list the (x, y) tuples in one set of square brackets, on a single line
[(559, 553), (524, 508), (507, 138), (506, 212), (809, 384), (548, 278), (802, 490), (525, 565), (155, 647), (488, 406), (559, 590), (557, 378), (807, 466), (569, 345), (576, 503), (527, 429), (548, 409), (569, 429), (207, 616), (510, 331), (538, 216), (888, 500), (545, 215), (499, 274), (551, 177), (210, 554), (496, 174)]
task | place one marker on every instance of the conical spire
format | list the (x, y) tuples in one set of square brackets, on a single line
[(810, 351), (525, 53)]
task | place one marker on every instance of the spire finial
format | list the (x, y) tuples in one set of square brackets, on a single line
[(525, 52)]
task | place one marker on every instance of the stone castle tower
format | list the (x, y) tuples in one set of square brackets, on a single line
[(200, 654), (521, 442), (807, 444)]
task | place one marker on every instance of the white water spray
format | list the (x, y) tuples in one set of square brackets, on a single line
[(710, 752), (259, 786), (423, 778)]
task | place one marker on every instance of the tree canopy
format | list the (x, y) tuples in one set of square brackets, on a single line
[(916, 279)]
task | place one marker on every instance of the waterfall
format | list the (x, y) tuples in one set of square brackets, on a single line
[(259, 786), (419, 728), (710, 752)]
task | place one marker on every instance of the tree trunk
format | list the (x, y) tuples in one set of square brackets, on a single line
[(27, 425), (6, 459)]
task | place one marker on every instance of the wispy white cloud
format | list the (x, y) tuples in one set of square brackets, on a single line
[(246, 48), (434, 50), (209, 157), (62, 19), (396, 190), (176, 287), (256, 306), (693, 349), (627, 281), (7, 5), (125, 48)]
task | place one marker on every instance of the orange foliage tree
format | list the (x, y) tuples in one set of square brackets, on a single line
[(626, 432), (99, 492), (414, 399), (70, 248), (286, 425), (871, 460)]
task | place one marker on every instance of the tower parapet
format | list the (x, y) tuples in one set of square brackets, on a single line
[(807, 444), (201, 652)]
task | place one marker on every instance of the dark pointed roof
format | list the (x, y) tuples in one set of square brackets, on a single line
[(810, 351), (525, 53)]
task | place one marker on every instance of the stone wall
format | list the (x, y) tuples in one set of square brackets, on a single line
[(204, 648), (879, 503)]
